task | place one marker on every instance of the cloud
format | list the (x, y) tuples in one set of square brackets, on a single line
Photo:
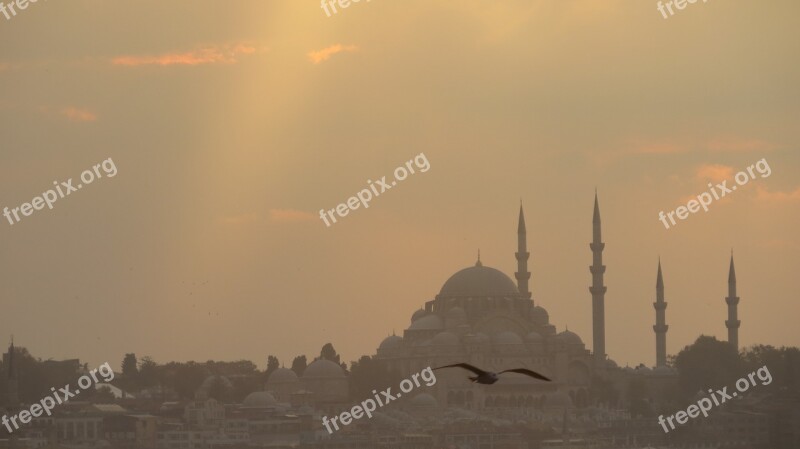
[(290, 216), (739, 145), (226, 54), (777, 196), (713, 172), (78, 115), (319, 56)]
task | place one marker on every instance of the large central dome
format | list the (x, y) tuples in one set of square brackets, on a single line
[(479, 281)]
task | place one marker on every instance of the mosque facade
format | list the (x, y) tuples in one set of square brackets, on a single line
[(481, 317)]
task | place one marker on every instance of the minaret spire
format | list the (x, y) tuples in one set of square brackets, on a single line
[(598, 290), (522, 255), (660, 327), (732, 322)]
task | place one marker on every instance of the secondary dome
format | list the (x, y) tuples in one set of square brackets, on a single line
[(540, 315), (418, 314), (569, 337), (282, 375), (211, 380), (259, 399), (323, 368), (479, 281), (391, 342), (456, 314), (430, 322)]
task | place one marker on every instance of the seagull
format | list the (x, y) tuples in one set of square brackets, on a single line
[(488, 377)]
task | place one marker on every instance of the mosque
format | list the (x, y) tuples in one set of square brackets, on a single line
[(483, 318)]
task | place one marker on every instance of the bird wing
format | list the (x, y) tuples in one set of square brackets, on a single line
[(466, 366), (526, 372)]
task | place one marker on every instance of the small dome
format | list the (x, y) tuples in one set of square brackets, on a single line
[(456, 314), (323, 368), (281, 376), (479, 281), (534, 337), (259, 399), (391, 342), (445, 339), (570, 338), (507, 338), (418, 314), (539, 315), (611, 364), (211, 379), (424, 400), (430, 322)]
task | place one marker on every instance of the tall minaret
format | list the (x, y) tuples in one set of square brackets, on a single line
[(732, 323), (13, 391), (13, 387), (522, 254), (660, 327), (597, 289)]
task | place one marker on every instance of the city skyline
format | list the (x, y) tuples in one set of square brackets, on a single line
[(233, 129)]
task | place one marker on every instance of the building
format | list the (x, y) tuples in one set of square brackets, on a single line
[(480, 316)]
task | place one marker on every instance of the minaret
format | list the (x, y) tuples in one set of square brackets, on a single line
[(597, 289), (660, 327), (522, 254), (13, 391), (13, 387), (732, 323)]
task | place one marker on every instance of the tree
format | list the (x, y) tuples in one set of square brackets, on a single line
[(218, 390), (783, 364), (299, 365), (368, 374), (148, 372), (707, 363), (130, 366), (328, 353), (272, 365)]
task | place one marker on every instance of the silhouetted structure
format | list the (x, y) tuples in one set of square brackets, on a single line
[(597, 289), (522, 255), (733, 301), (660, 327)]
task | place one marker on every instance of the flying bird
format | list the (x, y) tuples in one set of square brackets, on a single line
[(488, 377)]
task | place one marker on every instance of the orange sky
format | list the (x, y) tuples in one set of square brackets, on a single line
[(231, 127)]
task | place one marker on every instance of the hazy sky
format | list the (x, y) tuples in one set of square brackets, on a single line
[(233, 123)]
